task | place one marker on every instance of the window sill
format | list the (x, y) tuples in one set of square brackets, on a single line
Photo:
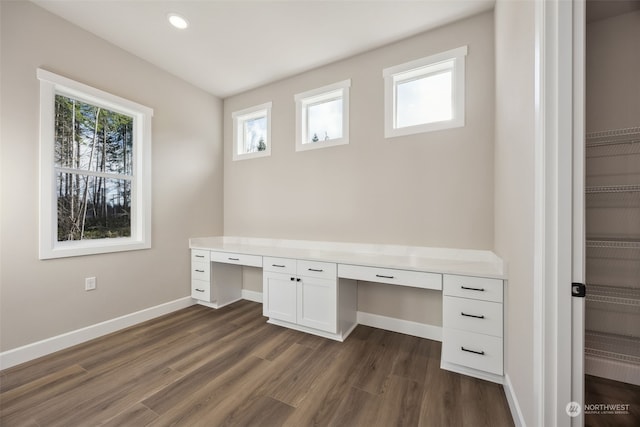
[(322, 144)]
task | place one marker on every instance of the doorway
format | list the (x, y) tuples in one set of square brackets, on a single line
[(612, 208)]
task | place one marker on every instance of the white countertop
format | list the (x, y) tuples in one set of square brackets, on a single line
[(467, 262)]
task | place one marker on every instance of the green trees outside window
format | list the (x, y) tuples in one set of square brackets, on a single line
[(94, 170)]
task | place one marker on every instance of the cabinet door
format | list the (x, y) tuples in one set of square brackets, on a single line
[(317, 303), (279, 292)]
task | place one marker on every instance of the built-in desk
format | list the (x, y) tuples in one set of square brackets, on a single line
[(312, 287)]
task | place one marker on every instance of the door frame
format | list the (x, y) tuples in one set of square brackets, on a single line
[(559, 111), (578, 263)]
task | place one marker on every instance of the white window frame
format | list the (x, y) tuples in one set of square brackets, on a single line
[(424, 67), (51, 85), (239, 118), (315, 96)]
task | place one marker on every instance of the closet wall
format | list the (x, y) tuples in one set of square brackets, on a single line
[(612, 342)]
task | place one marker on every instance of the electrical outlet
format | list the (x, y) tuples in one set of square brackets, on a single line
[(89, 283)]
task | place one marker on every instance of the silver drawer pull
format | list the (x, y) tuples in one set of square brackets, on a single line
[(382, 276), (234, 259), (316, 270), (277, 265), (481, 353), (199, 290), (472, 289), (462, 313), (200, 271), (199, 256)]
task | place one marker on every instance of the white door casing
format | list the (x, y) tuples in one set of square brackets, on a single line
[(558, 100), (578, 216)]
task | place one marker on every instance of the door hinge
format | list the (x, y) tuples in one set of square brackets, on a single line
[(578, 290)]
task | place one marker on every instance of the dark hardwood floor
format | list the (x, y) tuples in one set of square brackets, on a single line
[(205, 367), (601, 391)]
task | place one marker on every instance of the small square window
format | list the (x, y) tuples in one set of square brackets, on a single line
[(426, 94), (322, 117), (252, 132)]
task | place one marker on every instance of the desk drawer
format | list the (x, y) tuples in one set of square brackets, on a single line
[(279, 265), (199, 255), (478, 351), (473, 287), (238, 259), (483, 317), (200, 270), (416, 279), (320, 270), (201, 290)]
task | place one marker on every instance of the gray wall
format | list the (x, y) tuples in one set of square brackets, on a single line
[(613, 92), (429, 189), (41, 299), (514, 188)]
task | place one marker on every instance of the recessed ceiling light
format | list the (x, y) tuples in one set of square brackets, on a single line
[(178, 21)]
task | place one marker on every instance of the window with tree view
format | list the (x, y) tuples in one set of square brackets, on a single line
[(95, 177), (94, 169), (322, 116), (251, 132)]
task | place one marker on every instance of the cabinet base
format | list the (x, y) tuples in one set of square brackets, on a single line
[(464, 370), (215, 304), (340, 336)]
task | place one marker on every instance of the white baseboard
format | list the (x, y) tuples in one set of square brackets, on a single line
[(407, 327), (470, 372), (252, 295), (512, 400), (37, 349), (612, 369)]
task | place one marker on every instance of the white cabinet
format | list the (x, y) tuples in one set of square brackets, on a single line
[(279, 296), (303, 295), (472, 326), (317, 303), (414, 279), (200, 275), (216, 277)]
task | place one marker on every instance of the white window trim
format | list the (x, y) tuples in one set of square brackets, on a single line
[(309, 97), (50, 85), (240, 117), (458, 56)]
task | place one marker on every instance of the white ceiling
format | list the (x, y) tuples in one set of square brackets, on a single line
[(233, 46)]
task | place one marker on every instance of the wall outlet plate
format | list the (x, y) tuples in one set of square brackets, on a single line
[(89, 283)]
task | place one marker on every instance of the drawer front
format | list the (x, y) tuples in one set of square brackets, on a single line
[(477, 351), (279, 265), (200, 270), (201, 290), (483, 317), (239, 259), (473, 287), (321, 270), (416, 279), (199, 255)]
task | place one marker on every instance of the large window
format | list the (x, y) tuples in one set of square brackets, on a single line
[(322, 116), (95, 170), (252, 132), (426, 94)]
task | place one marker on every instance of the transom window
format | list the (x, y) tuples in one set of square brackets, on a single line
[(322, 116), (426, 94), (95, 170), (252, 132)]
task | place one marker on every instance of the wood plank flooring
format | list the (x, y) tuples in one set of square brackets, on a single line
[(205, 367), (600, 391)]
